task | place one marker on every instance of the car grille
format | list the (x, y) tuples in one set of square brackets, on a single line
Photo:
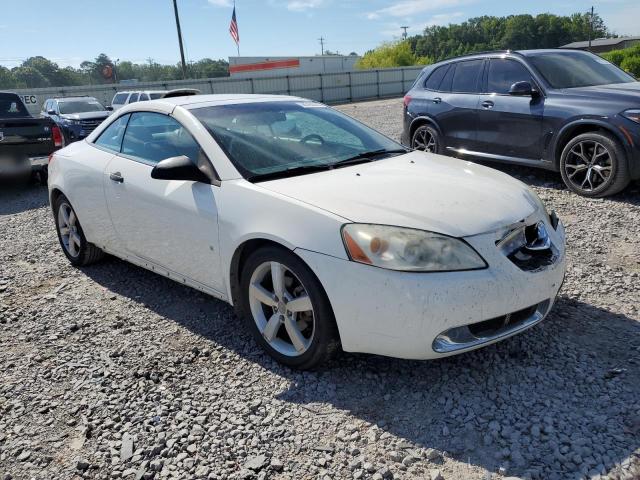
[(89, 125)]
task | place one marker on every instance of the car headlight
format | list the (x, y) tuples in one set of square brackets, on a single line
[(632, 114), (407, 249)]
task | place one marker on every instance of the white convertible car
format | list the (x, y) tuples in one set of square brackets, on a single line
[(323, 233)]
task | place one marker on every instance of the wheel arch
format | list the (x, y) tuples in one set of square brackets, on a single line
[(579, 127), (423, 120), (54, 195)]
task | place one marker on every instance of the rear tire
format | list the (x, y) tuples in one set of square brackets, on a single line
[(594, 165), (268, 318), (71, 237), (426, 139)]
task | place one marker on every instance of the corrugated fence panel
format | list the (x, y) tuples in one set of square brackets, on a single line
[(325, 87)]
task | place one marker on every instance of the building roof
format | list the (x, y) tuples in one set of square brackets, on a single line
[(600, 42)]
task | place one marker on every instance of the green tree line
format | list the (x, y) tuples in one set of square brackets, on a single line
[(36, 72), (514, 32)]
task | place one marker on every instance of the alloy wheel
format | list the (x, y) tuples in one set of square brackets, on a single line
[(588, 165), (282, 309), (424, 140), (68, 227)]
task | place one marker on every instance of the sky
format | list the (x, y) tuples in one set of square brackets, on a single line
[(69, 32)]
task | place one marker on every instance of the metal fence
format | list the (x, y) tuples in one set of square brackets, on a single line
[(324, 87)]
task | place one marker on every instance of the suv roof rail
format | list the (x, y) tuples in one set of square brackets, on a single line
[(484, 52)]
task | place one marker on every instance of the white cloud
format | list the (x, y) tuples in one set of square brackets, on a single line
[(221, 3), (408, 8), (303, 5)]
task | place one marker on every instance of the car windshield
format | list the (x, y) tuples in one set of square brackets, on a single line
[(11, 106), (276, 139), (80, 106), (577, 69)]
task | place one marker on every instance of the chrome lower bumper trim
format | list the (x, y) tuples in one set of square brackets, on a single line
[(39, 161), (461, 338)]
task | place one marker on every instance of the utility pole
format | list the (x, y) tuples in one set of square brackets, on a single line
[(184, 65), (322, 39), (590, 27), (404, 34)]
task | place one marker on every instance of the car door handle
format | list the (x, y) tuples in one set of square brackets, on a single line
[(437, 100), (487, 104), (117, 177)]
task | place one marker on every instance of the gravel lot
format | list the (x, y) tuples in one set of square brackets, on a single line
[(114, 372)]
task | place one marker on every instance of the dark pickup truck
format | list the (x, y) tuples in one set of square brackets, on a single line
[(25, 142)]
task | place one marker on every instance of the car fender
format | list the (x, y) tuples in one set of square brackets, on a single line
[(423, 119), (564, 135)]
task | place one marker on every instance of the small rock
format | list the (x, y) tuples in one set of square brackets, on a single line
[(255, 463), (82, 465), (435, 475), (277, 464)]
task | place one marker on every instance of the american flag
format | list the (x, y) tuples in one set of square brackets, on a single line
[(233, 27)]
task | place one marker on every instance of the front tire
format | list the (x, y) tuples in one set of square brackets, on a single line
[(72, 240), (286, 309), (427, 139), (594, 165)]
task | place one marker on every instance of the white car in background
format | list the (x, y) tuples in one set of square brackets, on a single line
[(322, 232), (121, 99)]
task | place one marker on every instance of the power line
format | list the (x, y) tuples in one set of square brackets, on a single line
[(322, 39)]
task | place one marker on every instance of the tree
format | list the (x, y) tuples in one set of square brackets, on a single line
[(7, 80), (392, 54), (29, 77)]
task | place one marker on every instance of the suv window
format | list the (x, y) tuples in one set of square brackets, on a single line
[(111, 138), (435, 79), (153, 137), (119, 99), (143, 97), (11, 106), (503, 73), (465, 77), (133, 98)]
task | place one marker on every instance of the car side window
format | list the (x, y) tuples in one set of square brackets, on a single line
[(503, 73), (445, 85), (111, 138), (152, 137), (435, 79), (465, 78), (143, 97), (133, 98)]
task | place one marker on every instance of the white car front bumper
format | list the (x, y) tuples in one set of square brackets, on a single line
[(426, 315)]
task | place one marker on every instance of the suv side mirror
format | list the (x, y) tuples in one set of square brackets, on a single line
[(522, 89), (109, 108), (179, 168), (51, 112)]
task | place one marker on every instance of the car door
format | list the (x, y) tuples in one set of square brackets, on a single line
[(454, 105), (169, 223), (509, 125)]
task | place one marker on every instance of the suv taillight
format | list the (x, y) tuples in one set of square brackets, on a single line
[(58, 139)]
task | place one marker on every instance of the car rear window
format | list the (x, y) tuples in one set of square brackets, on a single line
[(435, 79), (11, 106), (465, 77), (120, 98)]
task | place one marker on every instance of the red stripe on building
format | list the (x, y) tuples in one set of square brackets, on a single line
[(270, 65)]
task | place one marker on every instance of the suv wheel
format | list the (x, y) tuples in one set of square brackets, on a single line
[(594, 165), (74, 244), (286, 309), (426, 138)]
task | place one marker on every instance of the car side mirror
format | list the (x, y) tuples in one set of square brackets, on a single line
[(522, 89), (51, 112), (109, 108), (179, 168)]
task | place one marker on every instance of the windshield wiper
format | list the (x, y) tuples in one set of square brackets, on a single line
[(368, 156), (289, 172)]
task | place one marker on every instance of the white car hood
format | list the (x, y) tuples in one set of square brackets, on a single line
[(416, 190)]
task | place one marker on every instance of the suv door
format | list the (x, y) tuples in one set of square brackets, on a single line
[(508, 125), (454, 105), (172, 224)]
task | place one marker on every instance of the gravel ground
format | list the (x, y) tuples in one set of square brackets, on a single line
[(114, 372)]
